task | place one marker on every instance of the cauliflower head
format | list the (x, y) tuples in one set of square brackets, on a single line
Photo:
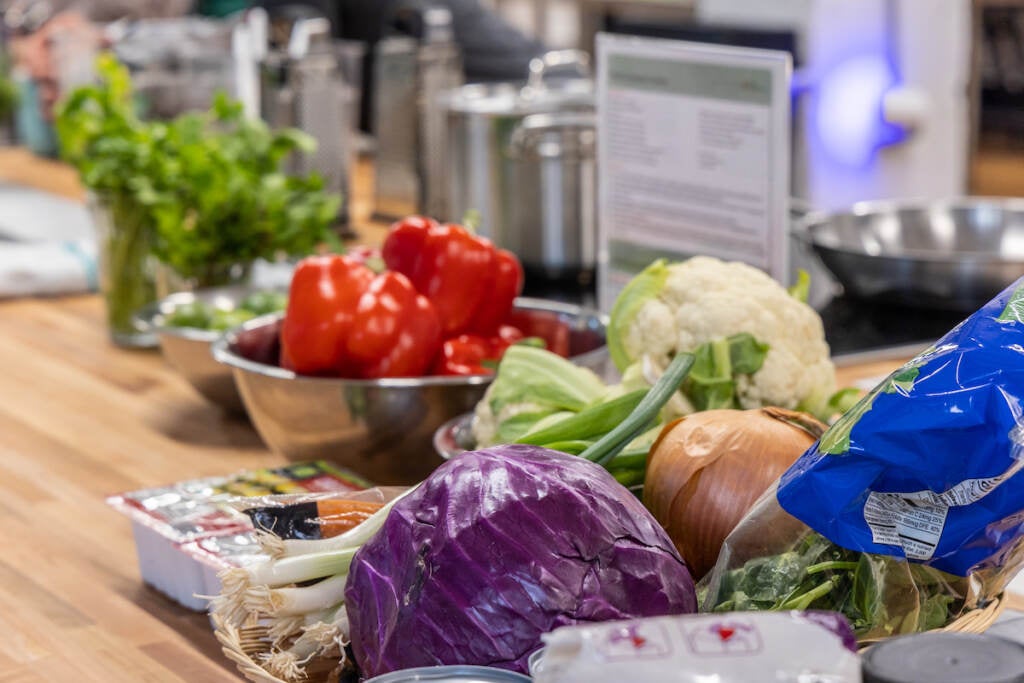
[(678, 307)]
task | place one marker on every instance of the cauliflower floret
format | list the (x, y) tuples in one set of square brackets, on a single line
[(704, 299)]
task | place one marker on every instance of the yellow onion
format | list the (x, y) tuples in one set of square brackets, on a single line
[(706, 470)]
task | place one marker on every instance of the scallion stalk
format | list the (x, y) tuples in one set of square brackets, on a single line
[(297, 601), (609, 445)]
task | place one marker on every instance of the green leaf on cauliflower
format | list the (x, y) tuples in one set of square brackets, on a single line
[(647, 285), (711, 384)]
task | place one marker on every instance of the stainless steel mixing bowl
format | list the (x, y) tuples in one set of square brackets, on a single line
[(955, 254), (381, 429), (187, 349)]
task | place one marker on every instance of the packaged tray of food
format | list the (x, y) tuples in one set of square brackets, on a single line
[(186, 532)]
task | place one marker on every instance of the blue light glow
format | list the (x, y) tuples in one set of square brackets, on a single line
[(848, 112)]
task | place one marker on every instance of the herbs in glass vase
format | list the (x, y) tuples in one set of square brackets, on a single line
[(114, 153), (203, 194), (220, 200)]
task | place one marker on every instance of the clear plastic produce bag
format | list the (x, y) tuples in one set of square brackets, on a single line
[(909, 512)]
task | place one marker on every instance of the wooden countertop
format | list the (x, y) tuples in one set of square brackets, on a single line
[(81, 419)]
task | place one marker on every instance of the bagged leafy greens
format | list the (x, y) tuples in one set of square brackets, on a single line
[(910, 509)]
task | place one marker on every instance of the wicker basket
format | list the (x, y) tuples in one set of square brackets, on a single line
[(975, 621), (243, 648), (979, 619)]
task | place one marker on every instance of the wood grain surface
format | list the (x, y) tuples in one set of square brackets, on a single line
[(81, 419)]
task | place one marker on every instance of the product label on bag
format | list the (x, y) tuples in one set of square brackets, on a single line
[(915, 521)]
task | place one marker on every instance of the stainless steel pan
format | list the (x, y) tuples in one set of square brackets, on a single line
[(955, 254)]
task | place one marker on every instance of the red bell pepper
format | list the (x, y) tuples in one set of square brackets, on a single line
[(470, 282), (395, 330), (472, 354), (322, 302)]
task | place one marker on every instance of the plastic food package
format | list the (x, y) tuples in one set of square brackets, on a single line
[(909, 511), (786, 647), (187, 532)]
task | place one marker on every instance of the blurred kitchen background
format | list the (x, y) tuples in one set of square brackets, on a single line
[(452, 107)]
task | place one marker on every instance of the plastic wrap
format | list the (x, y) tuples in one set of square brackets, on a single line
[(909, 511), (791, 647), (188, 531)]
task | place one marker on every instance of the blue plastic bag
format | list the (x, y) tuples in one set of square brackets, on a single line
[(910, 509), (928, 465)]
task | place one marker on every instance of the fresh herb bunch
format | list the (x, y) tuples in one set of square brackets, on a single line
[(8, 90), (211, 182), (220, 197), (880, 595)]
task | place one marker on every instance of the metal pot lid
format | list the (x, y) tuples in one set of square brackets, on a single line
[(544, 91)]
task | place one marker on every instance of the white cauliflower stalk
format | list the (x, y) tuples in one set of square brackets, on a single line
[(682, 306)]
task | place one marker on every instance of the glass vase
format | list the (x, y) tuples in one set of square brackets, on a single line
[(127, 268)]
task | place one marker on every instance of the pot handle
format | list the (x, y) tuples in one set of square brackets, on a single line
[(526, 135), (540, 66)]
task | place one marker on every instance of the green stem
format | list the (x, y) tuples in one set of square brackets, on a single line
[(835, 565), (609, 445), (628, 461), (804, 600), (129, 283)]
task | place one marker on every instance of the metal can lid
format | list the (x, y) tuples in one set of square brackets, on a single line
[(944, 658), (1009, 629), (456, 673), (535, 662)]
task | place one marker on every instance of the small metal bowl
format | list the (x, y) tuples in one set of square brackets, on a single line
[(454, 436), (187, 349), (381, 429)]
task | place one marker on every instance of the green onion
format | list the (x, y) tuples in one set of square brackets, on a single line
[(609, 445), (591, 421), (296, 602)]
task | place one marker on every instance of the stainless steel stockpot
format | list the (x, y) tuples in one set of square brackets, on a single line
[(522, 156)]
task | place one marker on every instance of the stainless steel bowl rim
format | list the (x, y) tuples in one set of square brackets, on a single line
[(150, 317), (803, 229), (222, 352)]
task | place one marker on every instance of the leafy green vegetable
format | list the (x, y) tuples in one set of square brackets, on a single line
[(1014, 311), (711, 383), (203, 316), (837, 439), (194, 314), (645, 286), (536, 376), (880, 595), (262, 303), (801, 289)]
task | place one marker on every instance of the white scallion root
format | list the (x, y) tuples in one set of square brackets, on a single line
[(230, 604), (271, 544)]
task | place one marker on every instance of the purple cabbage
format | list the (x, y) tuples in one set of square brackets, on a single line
[(499, 546), (835, 622)]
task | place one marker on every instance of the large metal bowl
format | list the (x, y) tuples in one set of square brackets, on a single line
[(381, 429), (187, 349), (954, 255)]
